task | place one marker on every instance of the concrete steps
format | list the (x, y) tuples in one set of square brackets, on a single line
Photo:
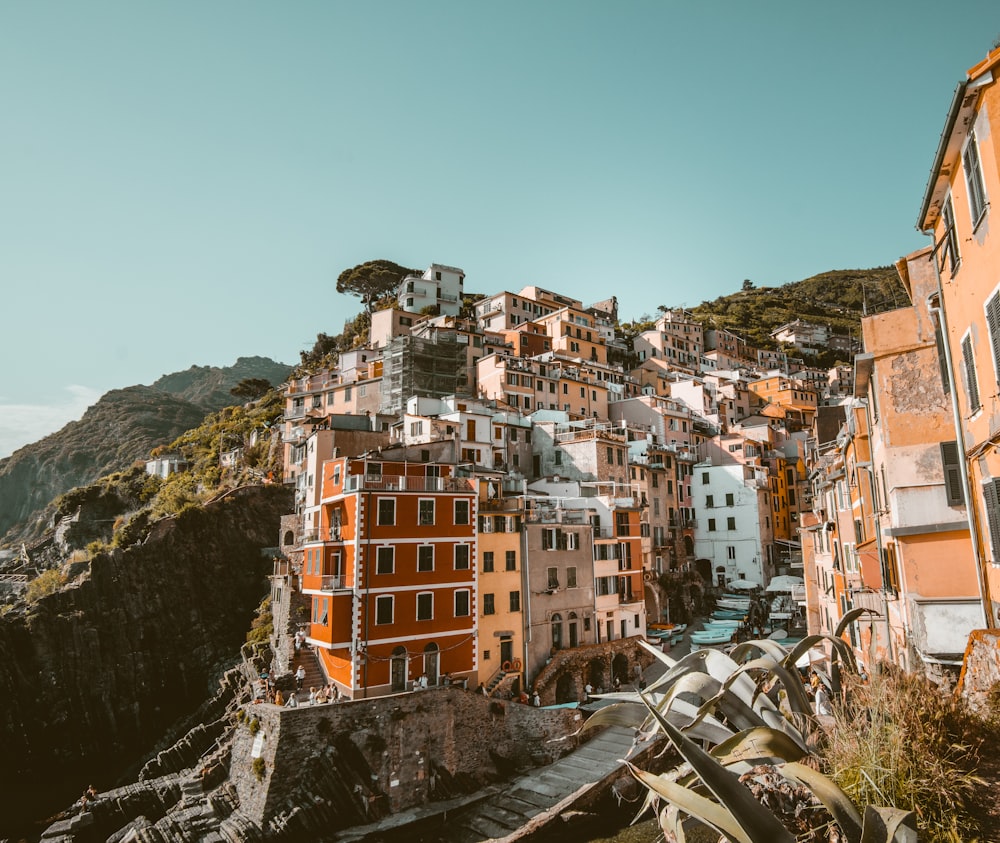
[(314, 674)]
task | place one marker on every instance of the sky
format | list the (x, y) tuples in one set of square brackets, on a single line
[(181, 183)]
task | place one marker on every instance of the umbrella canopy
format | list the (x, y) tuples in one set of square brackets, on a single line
[(743, 584), (785, 583)]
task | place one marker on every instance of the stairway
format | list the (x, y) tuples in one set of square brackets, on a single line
[(315, 678), (506, 813)]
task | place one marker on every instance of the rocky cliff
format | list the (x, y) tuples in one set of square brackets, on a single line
[(123, 426), (95, 674)]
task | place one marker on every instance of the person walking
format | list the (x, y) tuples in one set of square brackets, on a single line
[(300, 677)]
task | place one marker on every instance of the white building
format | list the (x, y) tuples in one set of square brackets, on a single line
[(439, 286), (733, 521)]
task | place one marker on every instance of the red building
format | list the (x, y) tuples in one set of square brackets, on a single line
[(392, 575)]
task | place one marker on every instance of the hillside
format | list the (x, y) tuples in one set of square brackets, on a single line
[(838, 298), (123, 426)]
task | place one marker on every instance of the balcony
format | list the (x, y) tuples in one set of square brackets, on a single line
[(397, 483), (333, 583)]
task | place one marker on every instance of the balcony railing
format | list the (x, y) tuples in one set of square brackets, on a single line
[(332, 583), (397, 483)]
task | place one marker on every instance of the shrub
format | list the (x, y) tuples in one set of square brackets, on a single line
[(263, 624), (258, 768), (900, 740), (44, 584), (254, 726)]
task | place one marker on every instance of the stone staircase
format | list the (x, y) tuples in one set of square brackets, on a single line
[(509, 815), (315, 678)]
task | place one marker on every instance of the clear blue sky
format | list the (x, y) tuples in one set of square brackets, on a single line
[(182, 182)]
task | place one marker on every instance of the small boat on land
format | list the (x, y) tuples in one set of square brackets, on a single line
[(712, 637)]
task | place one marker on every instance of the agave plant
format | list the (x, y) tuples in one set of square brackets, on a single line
[(754, 784)]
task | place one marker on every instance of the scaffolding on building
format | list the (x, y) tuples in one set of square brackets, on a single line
[(428, 367)]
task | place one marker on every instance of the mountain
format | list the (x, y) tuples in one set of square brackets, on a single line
[(122, 427), (838, 298)]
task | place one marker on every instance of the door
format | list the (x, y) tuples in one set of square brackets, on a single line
[(398, 669), (506, 650), (431, 655)]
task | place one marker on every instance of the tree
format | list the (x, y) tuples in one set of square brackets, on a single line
[(747, 285), (371, 280), (250, 389)]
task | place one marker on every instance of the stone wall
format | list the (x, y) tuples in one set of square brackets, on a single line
[(981, 666), (565, 677), (341, 764)]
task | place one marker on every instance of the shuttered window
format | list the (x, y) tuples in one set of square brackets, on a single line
[(974, 179), (991, 495), (971, 379), (952, 473)]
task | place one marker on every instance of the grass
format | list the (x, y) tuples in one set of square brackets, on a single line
[(899, 740)]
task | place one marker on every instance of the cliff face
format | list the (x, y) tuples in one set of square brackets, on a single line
[(94, 675), (123, 426)]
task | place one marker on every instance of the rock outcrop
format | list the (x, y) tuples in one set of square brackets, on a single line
[(95, 675), (123, 426)]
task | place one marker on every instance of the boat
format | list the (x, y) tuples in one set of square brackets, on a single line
[(723, 624), (711, 637)]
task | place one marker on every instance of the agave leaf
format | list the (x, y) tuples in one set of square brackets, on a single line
[(840, 647), (758, 822), (889, 825), (628, 714), (851, 617), (697, 806), (660, 655), (764, 645), (841, 808), (766, 709), (758, 745)]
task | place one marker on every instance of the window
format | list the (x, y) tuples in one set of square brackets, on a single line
[(711, 525), (993, 323), (383, 609), (731, 552), (425, 509), (974, 179), (386, 512), (488, 561), (425, 606), (461, 557), (425, 557), (385, 560), (971, 379), (553, 578), (704, 478), (952, 473), (730, 523), (515, 601), (709, 501), (488, 607), (730, 499), (571, 577), (557, 457), (511, 561), (951, 237), (462, 603)]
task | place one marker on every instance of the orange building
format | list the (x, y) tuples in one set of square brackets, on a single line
[(956, 212), (392, 575)]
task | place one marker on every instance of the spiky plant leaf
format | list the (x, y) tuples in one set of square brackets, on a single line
[(889, 825), (758, 745), (697, 806), (838, 803), (753, 818)]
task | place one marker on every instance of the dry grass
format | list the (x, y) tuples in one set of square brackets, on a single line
[(900, 740)]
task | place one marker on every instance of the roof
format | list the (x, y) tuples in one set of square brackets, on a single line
[(957, 125)]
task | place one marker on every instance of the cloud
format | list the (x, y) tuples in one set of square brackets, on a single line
[(21, 424)]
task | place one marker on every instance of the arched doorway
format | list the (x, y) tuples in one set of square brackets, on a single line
[(704, 569), (574, 640), (289, 538), (431, 662), (397, 669), (557, 631), (565, 691), (619, 669), (595, 674)]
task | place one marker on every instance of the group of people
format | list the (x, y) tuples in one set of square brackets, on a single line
[(326, 694)]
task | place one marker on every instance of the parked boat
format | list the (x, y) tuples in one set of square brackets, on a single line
[(712, 637)]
